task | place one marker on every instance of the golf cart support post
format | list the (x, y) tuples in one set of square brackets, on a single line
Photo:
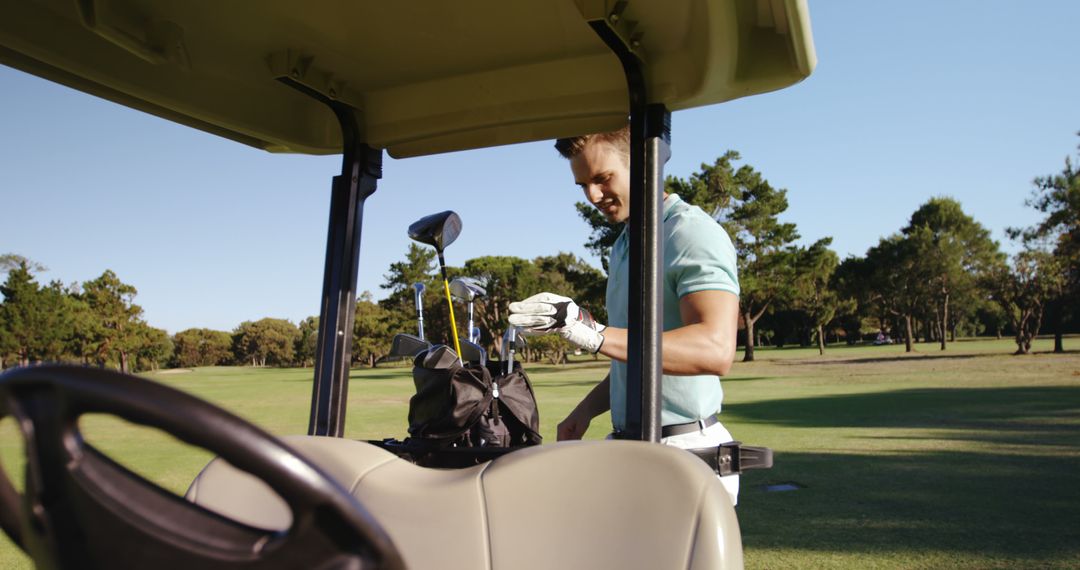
[(361, 168)]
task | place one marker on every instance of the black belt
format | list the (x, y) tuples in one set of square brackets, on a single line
[(679, 429)]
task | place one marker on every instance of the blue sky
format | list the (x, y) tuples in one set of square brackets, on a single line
[(910, 100)]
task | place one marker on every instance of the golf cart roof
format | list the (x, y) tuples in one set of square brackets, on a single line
[(425, 77)]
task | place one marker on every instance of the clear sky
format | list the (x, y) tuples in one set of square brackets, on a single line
[(910, 100)]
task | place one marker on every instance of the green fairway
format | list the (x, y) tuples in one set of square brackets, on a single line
[(962, 458)]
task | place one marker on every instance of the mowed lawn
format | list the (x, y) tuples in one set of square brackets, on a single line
[(964, 458)]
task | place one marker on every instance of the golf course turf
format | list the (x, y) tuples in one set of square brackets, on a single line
[(967, 457)]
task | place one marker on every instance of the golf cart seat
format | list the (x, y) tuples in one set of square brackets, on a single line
[(610, 504)]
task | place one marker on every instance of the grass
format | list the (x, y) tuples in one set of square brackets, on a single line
[(964, 458)]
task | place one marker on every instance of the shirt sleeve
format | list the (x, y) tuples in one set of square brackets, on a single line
[(700, 257)]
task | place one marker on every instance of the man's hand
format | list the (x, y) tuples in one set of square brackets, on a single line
[(548, 312), (573, 427)]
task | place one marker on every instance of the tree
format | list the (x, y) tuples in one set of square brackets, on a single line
[(506, 279), (155, 348), (603, 233), (896, 281), (307, 343), (813, 294), (952, 251), (10, 261), (266, 342), (111, 302), (35, 323), (202, 347), (851, 282), (1058, 196), (748, 208), (1023, 289), (373, 330)]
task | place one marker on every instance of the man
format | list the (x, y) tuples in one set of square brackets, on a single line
[(701, 306)]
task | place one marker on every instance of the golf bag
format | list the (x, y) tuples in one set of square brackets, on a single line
[(474, 406)]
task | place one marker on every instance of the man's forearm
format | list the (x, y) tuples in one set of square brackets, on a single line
[(688, 350), (597, 401)]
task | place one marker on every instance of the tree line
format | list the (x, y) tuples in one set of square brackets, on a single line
[(939, 277)]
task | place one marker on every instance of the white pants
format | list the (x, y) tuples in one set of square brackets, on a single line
[(711, 436)]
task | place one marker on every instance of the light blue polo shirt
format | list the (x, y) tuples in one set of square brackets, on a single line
[(698, 256)]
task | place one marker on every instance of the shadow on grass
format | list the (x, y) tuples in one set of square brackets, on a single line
[(990, 408), (972, 509), (909, 356)]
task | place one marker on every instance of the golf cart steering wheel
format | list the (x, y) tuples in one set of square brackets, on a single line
[(80, 509)]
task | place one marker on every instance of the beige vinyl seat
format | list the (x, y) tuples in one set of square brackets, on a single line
[(590, 504)]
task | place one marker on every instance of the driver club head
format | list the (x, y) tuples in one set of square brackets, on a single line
[(466, 288), (438, 230)]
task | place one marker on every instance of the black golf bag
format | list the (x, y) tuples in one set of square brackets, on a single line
[(472, 406)]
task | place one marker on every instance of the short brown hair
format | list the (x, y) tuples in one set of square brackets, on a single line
[(619, 140)]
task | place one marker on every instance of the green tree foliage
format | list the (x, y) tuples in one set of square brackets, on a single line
[(202, 347), (307, 343), (1023, 289), (9, 261), (748, 208), (419, 266), (812, 293), (602, 235), (111, 303), (569, 275), (506, 279), (373, 330), (850, 283), (266, 342), (35, 321), (895, 282), (155, 348), (1058, 197), (952, 251)]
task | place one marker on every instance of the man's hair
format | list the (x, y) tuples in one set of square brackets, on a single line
[(619, 140)]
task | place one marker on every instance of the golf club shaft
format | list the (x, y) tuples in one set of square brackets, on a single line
[(419, 310), (471, 339), (449, 303)]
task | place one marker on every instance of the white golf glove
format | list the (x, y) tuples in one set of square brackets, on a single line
[(547, 312)]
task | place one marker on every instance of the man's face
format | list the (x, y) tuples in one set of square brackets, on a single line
[(602, 172)]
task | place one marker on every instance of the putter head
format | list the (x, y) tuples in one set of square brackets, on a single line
[(467, 288), (472, 352), (408, 345), (438, 357), (438, 230)]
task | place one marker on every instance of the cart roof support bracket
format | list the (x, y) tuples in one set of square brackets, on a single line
[(650, 136), (361, 168)]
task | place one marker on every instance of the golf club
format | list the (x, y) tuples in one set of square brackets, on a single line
[(439, 357), (408, 345), (467, 289), (472, 352), (440, 230), (512, 339), (418, 294)]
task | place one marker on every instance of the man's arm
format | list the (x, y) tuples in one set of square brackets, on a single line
[(596, 402), (704, 345)]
